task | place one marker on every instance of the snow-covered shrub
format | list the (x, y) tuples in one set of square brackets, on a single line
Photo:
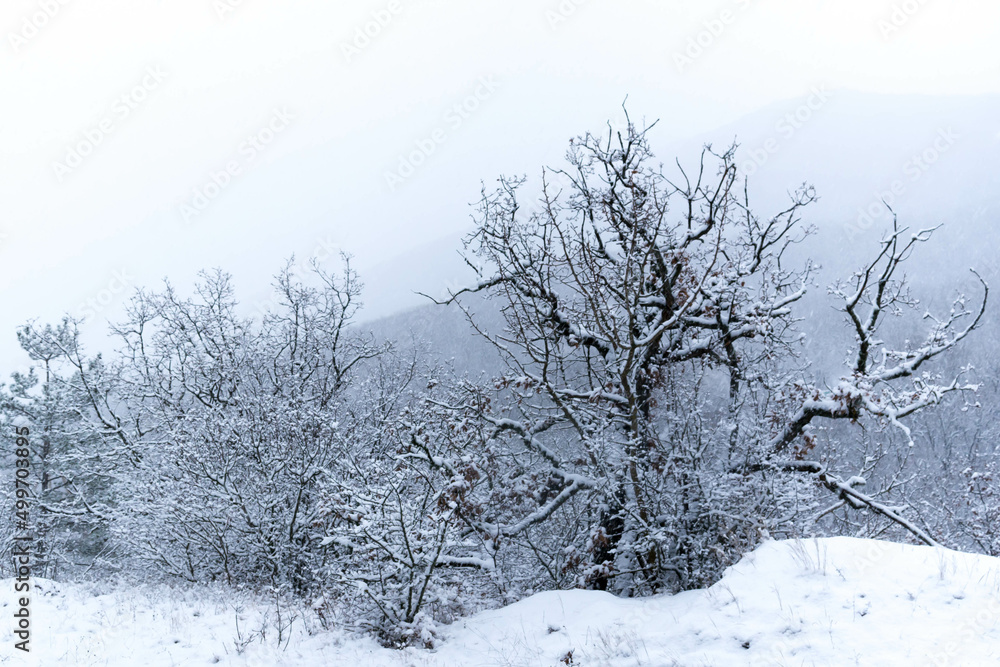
[(404, 516), (981, 519), (237, 423), (214, 430)]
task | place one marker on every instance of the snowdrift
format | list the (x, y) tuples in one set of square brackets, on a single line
[(837, 601)]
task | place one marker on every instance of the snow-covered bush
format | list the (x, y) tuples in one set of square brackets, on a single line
[(237, 423), (981, 519)]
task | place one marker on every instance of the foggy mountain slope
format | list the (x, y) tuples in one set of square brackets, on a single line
[(832, 150), (935, 160), (397, 283), (443, 335), (853, 147)]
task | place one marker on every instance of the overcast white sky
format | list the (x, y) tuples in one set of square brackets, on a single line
[(347, 117)]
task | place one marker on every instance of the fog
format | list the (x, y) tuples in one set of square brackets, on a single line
[(162, 97)]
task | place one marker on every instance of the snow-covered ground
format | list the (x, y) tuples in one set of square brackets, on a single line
[(824, 602)]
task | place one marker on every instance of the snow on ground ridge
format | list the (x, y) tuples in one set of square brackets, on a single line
[(834, 601)]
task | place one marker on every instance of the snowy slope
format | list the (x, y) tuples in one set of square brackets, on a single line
[(834, 601)]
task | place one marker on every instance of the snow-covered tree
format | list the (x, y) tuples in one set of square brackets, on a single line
[(654, 363), (69, 479)]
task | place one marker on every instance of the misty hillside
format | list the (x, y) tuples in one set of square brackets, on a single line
[(960, 189)]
